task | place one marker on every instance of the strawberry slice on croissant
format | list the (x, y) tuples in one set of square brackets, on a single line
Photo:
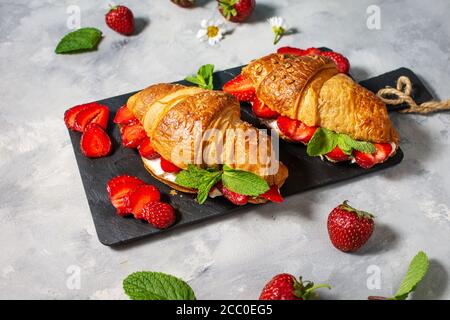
[(326, 110)]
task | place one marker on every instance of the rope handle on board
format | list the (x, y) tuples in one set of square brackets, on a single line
[(402, 94)]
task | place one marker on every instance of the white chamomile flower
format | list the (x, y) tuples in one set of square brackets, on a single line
[(279, 27), (211, 31)]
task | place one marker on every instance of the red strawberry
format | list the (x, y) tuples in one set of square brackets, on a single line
[(184, 3), (119, 189), (161, 215), (342, 63), (125, 116), (295, 130), (367, 160), (146, 150), (263, 111), (241, 87), (236, 10), (273, 194), (71, 114), (313, 51), (233, 197), (337, 155), (286, 287), (96, 113), (168, 166), (120, 19), (95, 143), (140, 197), (133, 135), (348, 228), (291, 50)]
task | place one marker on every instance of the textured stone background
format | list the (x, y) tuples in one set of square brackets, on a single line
[(46, 226)]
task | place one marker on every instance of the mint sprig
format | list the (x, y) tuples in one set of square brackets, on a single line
[(145, 285), (416, 272), (324, 141), (239, 181), (204, 77), (80, 40)]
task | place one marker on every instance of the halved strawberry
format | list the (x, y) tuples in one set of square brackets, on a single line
[(236, 198), (342, 63), (145, 149), (140, 197), (71, 114), (119, 189), (291, 50), (133, 135), (263, 111), (313, 51), (273, 194), (97, 113), (95, 143), (168, 166), (124, 116), (368, 160), (338, 155), (240, 87), (295, 130)]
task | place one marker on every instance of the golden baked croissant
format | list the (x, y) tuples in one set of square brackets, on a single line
[(304, 93), (193, 126)]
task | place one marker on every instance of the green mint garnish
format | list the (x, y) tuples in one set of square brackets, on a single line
[(156, 286), (324, 141), (416, 271), (80, 40), (204, 77), (244, 182)]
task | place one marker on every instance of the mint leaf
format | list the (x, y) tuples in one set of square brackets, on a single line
[(322, 142), (191, 178), (83, 39), (348, 142), (344, 145), (244, 182), (208, 181), (204, 77), (416, 271), (156, 286)]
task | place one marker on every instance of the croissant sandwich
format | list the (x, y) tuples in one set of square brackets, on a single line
[(201, 146), (305, 99)]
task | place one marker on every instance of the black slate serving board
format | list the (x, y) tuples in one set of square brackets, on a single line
[(305, 172)]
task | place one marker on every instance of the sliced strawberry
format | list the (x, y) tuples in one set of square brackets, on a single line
[(95, 143), (236, 198), (338, 155), (313, 51), (295, 130), (168, 166), (291, 50), (263, 111), (71, 114), (342, 63), (146, 150), (240, 87), (140, 197), (368, 160), (124, 116), (273, 194), (133, 135), (119, 189), (98, 114)]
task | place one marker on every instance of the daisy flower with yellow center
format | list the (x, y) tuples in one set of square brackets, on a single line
[(211, 31), (279, 27)]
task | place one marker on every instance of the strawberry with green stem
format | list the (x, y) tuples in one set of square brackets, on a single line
[(236, 10)]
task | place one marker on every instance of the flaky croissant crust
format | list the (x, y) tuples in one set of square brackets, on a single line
[(171, 112), (311, 90)]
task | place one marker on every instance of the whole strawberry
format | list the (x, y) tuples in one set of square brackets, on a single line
[(184, 3), (159, 214), (236, 10), (348, 228), (342, 63), (286, 287), (121, 20)]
